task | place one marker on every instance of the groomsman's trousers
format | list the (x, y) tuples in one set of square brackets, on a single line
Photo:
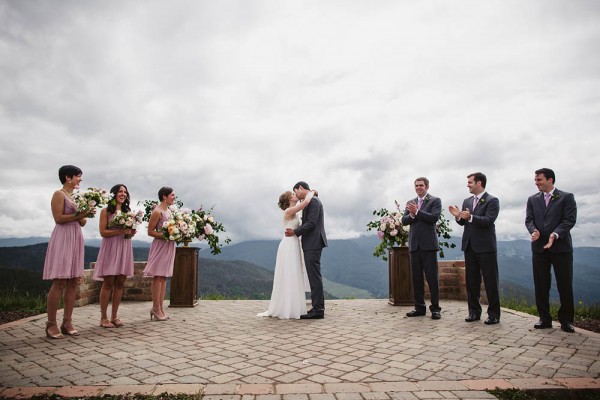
[(486, 265), (542, 280), (424, 263)]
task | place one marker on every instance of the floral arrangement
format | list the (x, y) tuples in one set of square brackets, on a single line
[(209, 229), (128, 220), (92, 197), (392, 232), (181, 227), (186, 225)]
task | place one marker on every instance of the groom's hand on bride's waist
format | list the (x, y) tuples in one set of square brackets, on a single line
[(289, 232)]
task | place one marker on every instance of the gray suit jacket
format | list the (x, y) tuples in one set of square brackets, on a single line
[(481, 232), (312, 229), (560, 216), (422, 234)]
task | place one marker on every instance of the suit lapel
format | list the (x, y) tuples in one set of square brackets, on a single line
[(480, 204)]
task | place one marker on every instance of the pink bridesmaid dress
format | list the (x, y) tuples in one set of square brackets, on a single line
[(115, 256), (64, 257), (162, 254)]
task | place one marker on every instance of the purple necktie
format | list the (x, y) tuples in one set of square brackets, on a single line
[(547, 198), (474, 202), (420, 203)]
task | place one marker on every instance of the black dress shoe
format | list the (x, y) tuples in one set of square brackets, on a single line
[(415, 313), (491, 321), (313, 314), (567, 327), (543, 325), (436, 315), (472, 318)]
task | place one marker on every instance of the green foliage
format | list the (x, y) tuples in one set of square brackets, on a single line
[(150, 205), (443, 230)]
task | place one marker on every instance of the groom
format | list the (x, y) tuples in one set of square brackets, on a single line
[(312, 231)]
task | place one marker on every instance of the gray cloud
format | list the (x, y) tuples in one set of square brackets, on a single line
[(233, 102)]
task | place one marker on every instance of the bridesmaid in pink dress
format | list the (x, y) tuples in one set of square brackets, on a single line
[(162, 253), (64, 257), (115, 259)]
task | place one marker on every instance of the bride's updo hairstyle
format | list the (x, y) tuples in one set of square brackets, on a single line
[(284, 200)]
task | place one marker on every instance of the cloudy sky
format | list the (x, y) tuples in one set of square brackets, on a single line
[(232, 102)]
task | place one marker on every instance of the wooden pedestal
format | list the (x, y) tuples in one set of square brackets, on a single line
[(184, 283), (400, 277)]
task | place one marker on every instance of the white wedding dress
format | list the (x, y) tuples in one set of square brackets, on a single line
[(288, 299)]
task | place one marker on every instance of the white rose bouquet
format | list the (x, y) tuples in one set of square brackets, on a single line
[(91, 198)]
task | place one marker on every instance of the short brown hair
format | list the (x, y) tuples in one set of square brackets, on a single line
[(423, 179)]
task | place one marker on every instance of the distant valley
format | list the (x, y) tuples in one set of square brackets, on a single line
[(245, 270)]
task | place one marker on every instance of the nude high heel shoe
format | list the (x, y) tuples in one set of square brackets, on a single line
[(50, 336), (153, 315)]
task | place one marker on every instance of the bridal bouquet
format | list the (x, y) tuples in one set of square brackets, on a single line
[(92, 197), (390, 230), (128, 220)]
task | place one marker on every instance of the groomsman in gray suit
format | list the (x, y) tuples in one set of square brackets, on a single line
[(314, 240), (550, 216), (422, 214), (478, 215)]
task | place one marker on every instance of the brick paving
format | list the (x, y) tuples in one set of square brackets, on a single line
[(362, 350)]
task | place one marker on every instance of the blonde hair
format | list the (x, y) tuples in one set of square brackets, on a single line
[(284, 200)]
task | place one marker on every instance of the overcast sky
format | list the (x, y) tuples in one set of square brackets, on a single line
[(232, 102)]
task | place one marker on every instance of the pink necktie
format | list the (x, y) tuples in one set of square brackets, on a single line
[(474, 202), (420, 203), (547, 197)]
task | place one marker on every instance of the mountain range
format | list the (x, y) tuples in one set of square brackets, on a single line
[(245, 269)]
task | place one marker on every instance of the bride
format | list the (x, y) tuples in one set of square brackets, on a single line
[(288, 299)]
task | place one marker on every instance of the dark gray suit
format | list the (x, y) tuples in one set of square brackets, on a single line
[(481, 257), (560, 216), (314, 239), (423, 247)]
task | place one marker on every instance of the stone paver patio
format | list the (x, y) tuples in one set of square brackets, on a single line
[(362, 350)]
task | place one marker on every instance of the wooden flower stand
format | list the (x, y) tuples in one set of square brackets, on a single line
[(400, 277), (184, 282)]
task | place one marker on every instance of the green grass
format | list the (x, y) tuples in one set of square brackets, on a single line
[(582, 310), (16, 301), (137, 396), (546, 394)]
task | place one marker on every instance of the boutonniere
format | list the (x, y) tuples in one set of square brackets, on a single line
[(481, 201), (554, 196), (426, 199)]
